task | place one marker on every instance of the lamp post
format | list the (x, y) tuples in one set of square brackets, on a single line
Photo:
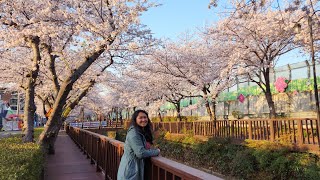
[(82, 116), (315, 85), (313, 63), (190, 103)]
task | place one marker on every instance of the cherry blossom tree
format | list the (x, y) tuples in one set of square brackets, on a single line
[(193, 62), (258, 39), (85, 30), (23, 76), (307, 26), (164, 88)]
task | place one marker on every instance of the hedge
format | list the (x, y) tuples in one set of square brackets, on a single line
[(21, 160)]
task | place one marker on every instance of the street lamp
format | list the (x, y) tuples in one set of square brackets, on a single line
[(297, 28)]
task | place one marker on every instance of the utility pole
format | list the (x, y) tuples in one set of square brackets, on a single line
[(315, 85), (18, 104)]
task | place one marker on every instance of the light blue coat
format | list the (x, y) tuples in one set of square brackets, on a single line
[(132, 162)]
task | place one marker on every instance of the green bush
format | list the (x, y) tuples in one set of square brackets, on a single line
[(20, 160), (255, 160), (121, 135), (243, 165)]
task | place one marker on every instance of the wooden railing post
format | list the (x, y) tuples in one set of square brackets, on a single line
[(178, 127), (300, 133), (232, 128), (318, 130), (250, 130), (80, 141), (107, 168), (194, 128), (98, 160), (85, 145), (272, 132), (170, 127), (91, 150)]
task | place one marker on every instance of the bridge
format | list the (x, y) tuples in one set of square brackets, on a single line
[(98, 157)]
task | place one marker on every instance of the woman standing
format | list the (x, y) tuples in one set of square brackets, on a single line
[(135, 148)]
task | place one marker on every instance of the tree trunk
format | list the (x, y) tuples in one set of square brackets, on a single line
[(29, 114), (207, 104), (268, 94), (270, 105), (178, 111), (29, 106), (128, 114), (159, 115), (120, 114), (50, 133), (209, 110), (214, 107), (109, 116)]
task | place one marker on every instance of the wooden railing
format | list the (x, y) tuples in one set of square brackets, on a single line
[(106, 153), (304, 133)]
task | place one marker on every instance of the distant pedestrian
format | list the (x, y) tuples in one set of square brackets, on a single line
[(136, 148)]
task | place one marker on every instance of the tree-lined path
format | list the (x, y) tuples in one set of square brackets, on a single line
[(69, 163)]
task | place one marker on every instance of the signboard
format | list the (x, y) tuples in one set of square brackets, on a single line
[(49, 112), (12, 125), (66, 112)]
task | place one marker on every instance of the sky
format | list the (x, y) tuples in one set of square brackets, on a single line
[(175, 17)]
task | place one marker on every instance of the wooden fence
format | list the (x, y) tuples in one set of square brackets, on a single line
[(304, 133), (106, 154)]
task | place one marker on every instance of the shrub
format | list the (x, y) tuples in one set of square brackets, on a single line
[(20, 160), (255, 160), (243, 165), (111, 134), (121, 135)]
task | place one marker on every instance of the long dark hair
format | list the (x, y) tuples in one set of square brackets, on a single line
[(146, 131)]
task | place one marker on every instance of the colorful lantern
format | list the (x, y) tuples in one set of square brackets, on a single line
[(241, 98), (281, 84)]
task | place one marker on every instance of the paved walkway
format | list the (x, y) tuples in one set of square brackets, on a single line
[(5, 134), (69, 163)]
